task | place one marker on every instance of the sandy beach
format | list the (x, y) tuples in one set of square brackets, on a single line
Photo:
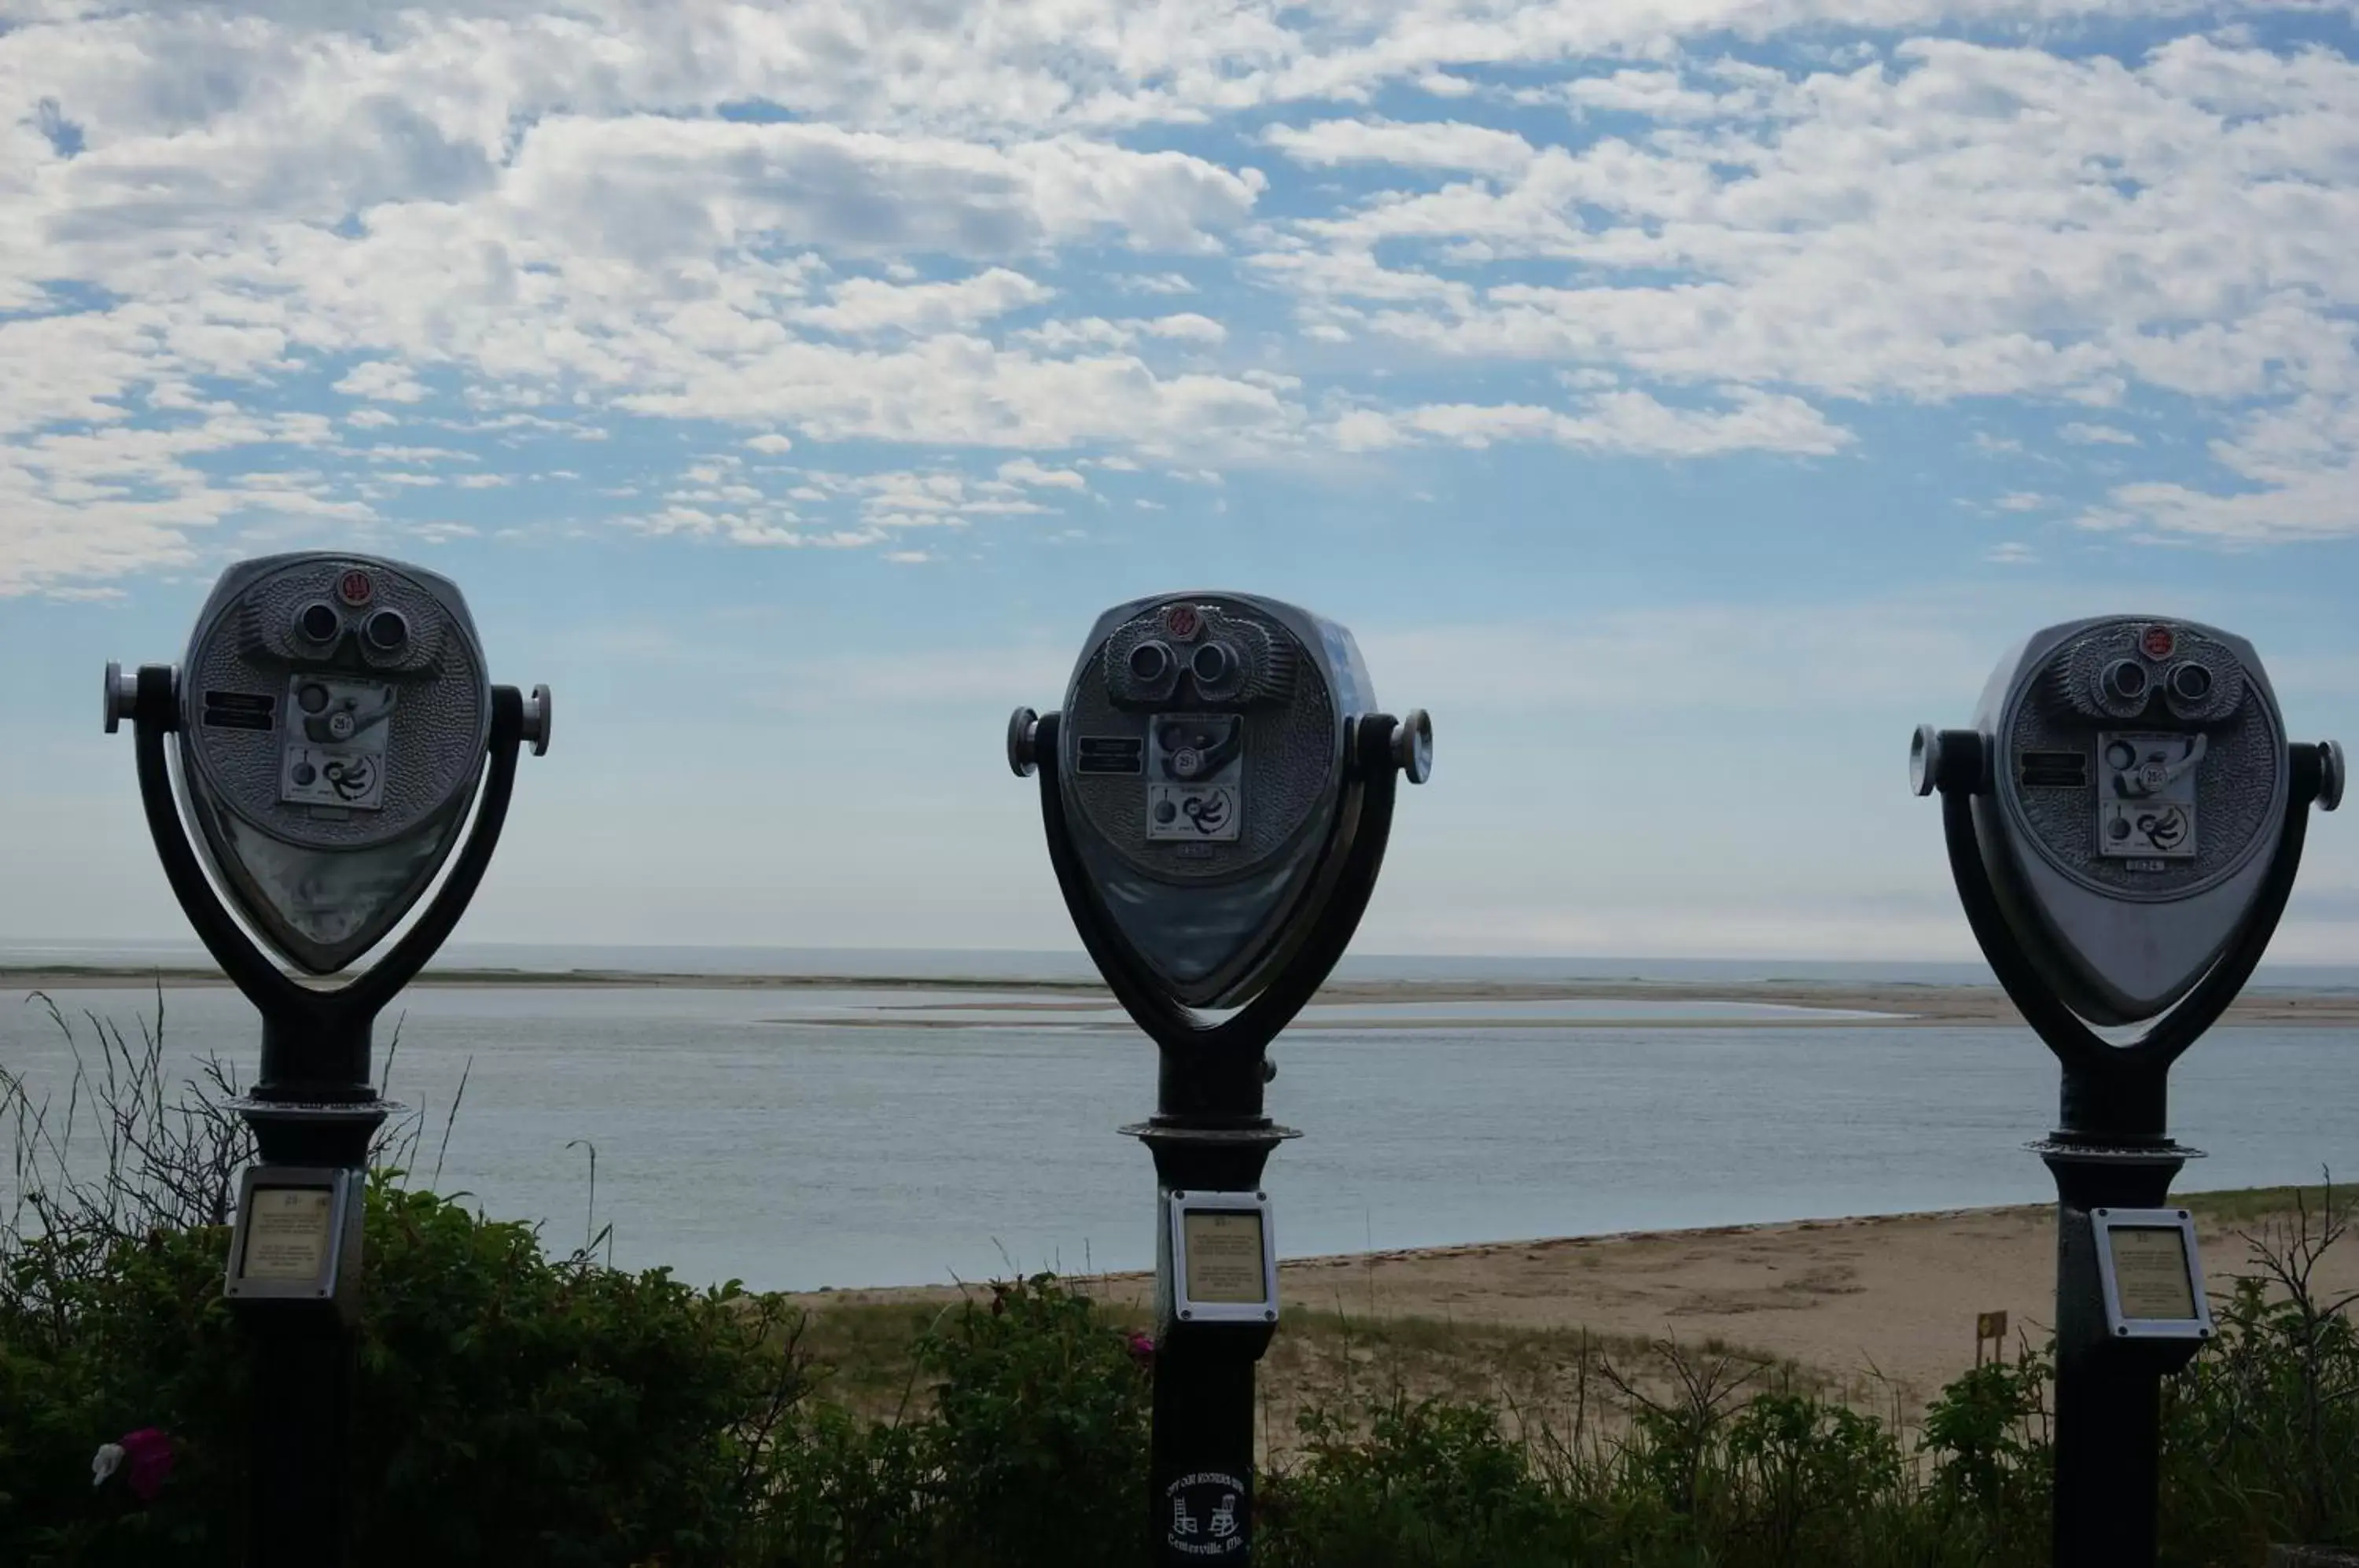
[(1877, 1307)]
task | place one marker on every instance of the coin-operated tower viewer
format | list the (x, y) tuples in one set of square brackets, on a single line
[(1217, 793), (332, 723), (2124, 820)]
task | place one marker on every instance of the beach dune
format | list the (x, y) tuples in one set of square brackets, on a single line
[(1887, 1303)]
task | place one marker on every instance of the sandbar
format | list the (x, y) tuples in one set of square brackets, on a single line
[(1903, 1005)]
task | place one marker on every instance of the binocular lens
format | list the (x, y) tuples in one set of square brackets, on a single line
[(1212, 663), (2190, 682), (388, 631), (1150, 660), (2125, 681), (318, 622)]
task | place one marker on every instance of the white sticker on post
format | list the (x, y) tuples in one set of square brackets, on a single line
[(2150, 1274), (2150, 1271), (288, 1231), (1224, 1252), (1220, 1264)]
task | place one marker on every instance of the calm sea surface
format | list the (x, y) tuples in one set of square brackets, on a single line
[(804, 1138)]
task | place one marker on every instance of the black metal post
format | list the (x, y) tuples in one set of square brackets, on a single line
[(305, 1366), (2108, 1434), (2111, 1149), (1200, 1458), (313, 1106), (1209, 1134)]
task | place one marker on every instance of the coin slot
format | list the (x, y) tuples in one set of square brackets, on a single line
[(239, 711), (2054, 770), (1111, 753)]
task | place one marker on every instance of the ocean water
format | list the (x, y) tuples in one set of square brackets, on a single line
[(795, 1139)]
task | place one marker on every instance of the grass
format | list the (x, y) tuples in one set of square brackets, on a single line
[(1334, 1356), (2241, 1205), (862, 1359)]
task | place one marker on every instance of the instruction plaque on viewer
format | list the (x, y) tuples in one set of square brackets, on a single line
[(1225, 1257), (287, 1233), (2151, 1273)]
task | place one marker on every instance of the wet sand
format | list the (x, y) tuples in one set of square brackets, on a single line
[(1883, 1306), (1904, 1005)]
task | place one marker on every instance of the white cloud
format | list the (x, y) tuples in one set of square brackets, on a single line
[(2021, 501), (383, 381), (867, 305), (632, 186), (1954, 221), (2010, 553), (771, 443), (606, 257), (99, 503), (1065, 336), (2297, 467), (830, 509), (1024, 470), (1618, 422), (1186, 327), (1656, 93), (542, 209), (961, 390), (1443, 145)]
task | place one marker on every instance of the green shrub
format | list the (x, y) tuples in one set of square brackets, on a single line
[(510, 1408), (2261, 1432), (516, 1408), (1987, 1436), (1042, 1424), (1430, 1483)]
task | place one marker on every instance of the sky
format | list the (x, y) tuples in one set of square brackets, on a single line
[(1681, 401)]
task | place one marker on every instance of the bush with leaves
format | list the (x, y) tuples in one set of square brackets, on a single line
[(2261, 1432), (1427, 1482), (1987, 1435), (1042, 1420), (511, 1408)]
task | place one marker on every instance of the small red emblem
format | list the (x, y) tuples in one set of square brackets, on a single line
[(2155, 642), (1182, 620), (355, 588)]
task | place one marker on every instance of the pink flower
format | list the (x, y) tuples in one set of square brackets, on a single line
[(149, 1452), (1142, 1348)]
